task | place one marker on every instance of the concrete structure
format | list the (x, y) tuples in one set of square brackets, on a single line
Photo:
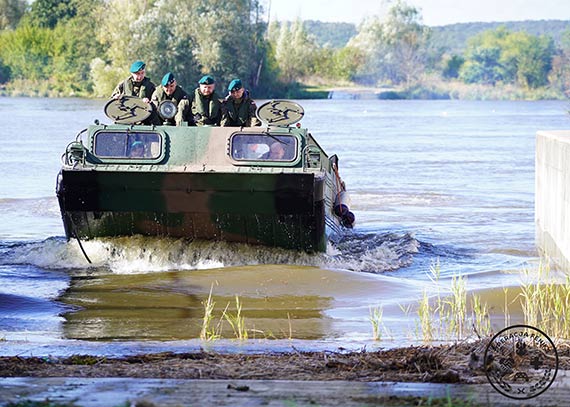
[(552, 195)]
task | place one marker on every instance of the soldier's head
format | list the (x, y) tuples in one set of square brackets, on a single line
[(137, 149), (236, 89), (169, 83), (207, 85), (276, 151), (138, 70)]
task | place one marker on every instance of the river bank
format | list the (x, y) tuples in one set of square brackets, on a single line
[(430, 89), (419, 375)]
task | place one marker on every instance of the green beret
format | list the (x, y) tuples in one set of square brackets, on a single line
[(206, 80), (137, 66), (167, 79), (235, 85)]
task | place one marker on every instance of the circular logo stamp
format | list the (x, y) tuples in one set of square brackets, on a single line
[(521, 362)]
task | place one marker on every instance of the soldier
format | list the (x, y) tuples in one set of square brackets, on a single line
[(206, 105), (169, 90), (238, 109), (135, 85)]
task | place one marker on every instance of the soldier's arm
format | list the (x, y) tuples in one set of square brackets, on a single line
[(254, 121), (119, 91)]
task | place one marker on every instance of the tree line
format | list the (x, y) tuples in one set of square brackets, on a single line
[(84, 47)]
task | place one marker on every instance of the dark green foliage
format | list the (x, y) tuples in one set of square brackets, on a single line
[(4, 73), (452, 67), (47, 13)]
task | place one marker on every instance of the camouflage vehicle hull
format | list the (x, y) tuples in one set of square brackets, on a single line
[(201, 183)]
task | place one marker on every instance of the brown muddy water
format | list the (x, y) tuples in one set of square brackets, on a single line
[(446, 182)]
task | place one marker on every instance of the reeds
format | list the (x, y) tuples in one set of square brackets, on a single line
[(237, 321), (444, 315), (545, 301), (375, 318), (208, 332)]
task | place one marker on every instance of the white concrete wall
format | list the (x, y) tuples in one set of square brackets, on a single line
[(552, 195)]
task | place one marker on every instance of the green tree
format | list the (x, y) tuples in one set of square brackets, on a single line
[(295, 50), (559, 76), (47, 13), (482, 65), (503, 56), (395, 47), (189, 38), (452, 65), (28, 52), (11, 11)]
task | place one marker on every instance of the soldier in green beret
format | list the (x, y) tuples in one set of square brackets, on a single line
[(238, 109), (206, 105), (135, 85), (169, 90)]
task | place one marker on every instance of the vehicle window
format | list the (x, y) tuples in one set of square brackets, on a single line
[(122, 144), (263, 147)]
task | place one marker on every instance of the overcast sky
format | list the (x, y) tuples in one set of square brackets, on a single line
[(434, 12)]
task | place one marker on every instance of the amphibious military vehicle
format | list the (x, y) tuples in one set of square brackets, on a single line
[(271, 185)]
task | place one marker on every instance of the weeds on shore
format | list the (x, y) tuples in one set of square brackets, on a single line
[(212, 330), (376, 321), (208, 332), (445, 316), (237, 321), (545, 301)]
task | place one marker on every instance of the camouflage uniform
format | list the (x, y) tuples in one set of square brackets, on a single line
[(206, 110), (239, 112), (179, 97), (128, 87)]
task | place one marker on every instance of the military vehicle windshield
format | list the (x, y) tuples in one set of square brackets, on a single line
[(263, 147), (123, 144)]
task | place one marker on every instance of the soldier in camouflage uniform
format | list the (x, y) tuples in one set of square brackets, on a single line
[(206, 105), (138, 85), (238, 109), (135, 85), (174, 93)]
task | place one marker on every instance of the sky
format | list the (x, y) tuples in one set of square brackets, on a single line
[(434, 12)]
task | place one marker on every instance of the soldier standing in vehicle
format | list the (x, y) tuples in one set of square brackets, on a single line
[(206, 105), (238, 109), (137, 84), (169, 90)]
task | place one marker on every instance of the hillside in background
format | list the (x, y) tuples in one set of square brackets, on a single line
[(454, 37), (334, 35), (450, 37)]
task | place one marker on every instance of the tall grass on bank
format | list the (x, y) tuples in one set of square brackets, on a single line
[(237, 321), (375, 318), (444, 315), (208, 331), (545, 301)]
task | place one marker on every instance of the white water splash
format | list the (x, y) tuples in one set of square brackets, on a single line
[(134, 255)]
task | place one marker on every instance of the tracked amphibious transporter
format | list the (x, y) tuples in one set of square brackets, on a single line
[(271, 185)]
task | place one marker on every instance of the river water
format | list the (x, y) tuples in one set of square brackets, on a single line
[(432, 182)]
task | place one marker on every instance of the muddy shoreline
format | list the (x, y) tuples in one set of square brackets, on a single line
[(459, 363), (415, 375)]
